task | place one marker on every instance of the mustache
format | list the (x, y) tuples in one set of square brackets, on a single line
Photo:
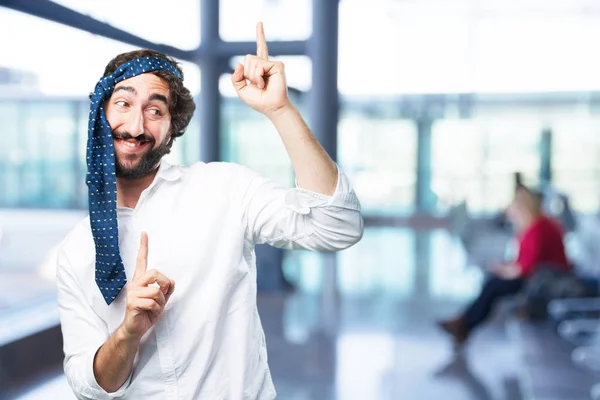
[(128, 136)]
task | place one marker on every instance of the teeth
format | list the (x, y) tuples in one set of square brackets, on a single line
[(132, 144)]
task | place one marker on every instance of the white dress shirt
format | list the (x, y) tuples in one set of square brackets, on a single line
[(202, 223)]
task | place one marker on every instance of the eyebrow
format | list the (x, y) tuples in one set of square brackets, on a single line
[(126, 88), (159, 97), (153, 96)]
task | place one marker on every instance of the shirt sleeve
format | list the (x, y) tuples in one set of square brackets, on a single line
[(298, 218), (83, 334)]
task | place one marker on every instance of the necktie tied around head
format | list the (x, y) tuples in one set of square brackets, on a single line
[(101, 176)]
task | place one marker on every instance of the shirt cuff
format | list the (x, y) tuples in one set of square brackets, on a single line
[(96, 389), (302, 200)]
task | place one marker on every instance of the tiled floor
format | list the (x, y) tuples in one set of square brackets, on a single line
[(377, 339)]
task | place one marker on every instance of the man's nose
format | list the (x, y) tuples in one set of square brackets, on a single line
[(135, 123)]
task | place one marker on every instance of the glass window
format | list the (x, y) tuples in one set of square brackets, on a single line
[(392, 250), (238, 19), (84, 58), (502, 43), (456, 159), (576, 161), (450, 277), (176, 24), (462, 46), (82, 137), (423, 49), (380, 158), (305, 268), (186, 149), (46, 62), (12, 157), (40, 145), (475, 160), (248, 137)]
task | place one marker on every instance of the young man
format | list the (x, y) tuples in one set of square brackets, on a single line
[(540, 243), (127, 332)]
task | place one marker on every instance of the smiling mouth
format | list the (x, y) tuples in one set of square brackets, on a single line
[(130, 145)]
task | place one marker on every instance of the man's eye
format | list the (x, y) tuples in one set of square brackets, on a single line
[(155, 111)]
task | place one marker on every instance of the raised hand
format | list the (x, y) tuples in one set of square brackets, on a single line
[(259, 82), (145, 301)]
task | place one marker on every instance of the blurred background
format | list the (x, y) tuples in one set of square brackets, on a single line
[(430, 107)]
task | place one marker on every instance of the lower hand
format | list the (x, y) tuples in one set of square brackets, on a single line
[(145, 301), (507, 271)]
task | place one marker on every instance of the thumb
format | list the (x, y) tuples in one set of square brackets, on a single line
[(237, 78), (142, 258)]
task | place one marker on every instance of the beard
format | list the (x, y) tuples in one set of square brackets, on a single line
[(134, 166)]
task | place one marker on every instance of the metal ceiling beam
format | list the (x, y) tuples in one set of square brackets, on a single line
[(51, 11)]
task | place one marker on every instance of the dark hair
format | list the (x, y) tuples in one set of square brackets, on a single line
[(181, 105)]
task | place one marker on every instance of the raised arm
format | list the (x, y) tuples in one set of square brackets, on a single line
[(261, 84)]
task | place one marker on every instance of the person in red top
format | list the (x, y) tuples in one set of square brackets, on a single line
[(540, 244)]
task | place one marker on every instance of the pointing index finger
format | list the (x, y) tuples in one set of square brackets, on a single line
[(261, 42), (142, 259)]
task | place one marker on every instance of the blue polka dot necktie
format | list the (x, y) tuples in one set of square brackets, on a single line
[(101, 176)]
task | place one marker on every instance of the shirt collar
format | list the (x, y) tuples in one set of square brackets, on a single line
[(167, 172)]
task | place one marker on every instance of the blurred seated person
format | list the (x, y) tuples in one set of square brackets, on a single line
[(540, 244)]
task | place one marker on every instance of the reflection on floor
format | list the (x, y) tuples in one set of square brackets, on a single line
[(377, 339)]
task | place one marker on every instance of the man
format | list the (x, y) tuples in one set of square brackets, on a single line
[(540, 243), (128, 333)]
